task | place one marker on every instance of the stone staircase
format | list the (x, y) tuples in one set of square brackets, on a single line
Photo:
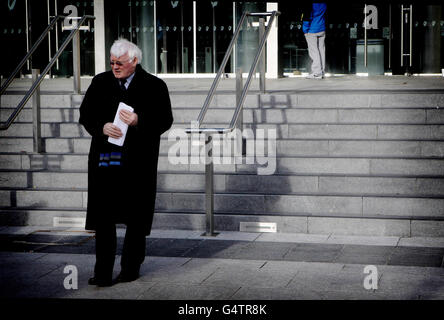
[(348, 162)]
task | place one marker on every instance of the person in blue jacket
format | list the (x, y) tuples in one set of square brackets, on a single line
[(313, 26)]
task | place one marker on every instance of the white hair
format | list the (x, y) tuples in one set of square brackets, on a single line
[(122, 46)]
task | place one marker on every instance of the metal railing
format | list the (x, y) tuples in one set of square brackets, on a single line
[(240, 99), (37, 79), (29, 54)]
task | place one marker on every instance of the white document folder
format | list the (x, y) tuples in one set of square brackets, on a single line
[(122, 125)]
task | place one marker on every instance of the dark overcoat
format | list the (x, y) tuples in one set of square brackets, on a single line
[(125, 193)]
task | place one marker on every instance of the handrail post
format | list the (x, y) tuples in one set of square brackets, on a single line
[(240, 121), (36, 123), (237, 120), (209, 187), (262, 59), (76, 61)]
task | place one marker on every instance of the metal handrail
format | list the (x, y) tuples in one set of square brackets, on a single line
[(36, 84), (243, 96), (30, 52), (240, 99)]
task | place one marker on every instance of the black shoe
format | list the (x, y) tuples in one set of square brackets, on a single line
[(127, 277), (94, 281)]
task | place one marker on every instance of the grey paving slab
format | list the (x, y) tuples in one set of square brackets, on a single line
[(410, 286), (293, 237), (363, 240), (412, 270), (233, 235), (17, 277), (364, 255), (304, 267), (416, 260), (181, 234), (427, 228), (381, 250), (369, 259), (217, 263), (51, 285), (169, 291), (263, 251), (253, 293), (175, 271), (347, 282), (419, 250), (422, 242), (125, 291), (171, 247), (81, 261), (261, 278), (414, 256), (312, 252), (362, 294), (215, 249), (310, 281)]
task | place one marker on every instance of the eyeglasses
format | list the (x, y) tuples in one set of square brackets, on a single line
[(119, 63)]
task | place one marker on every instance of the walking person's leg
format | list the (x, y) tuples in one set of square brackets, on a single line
[(321, 46), (313, 51)]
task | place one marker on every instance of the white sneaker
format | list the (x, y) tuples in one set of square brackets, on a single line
[(314, 76)]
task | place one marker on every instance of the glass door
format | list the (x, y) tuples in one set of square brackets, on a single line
[(134, 21), (418, 32), (368, 39), (174, 36), (22, 23), (74, 9), (350, 47), (213, 35), (13, 27)]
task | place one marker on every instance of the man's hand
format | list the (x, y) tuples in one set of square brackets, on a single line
[(130, 118), (111, 130)]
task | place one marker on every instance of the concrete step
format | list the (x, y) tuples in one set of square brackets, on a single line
[(255, 204), (229, 222), (286, 166), (48, 115), (286, 131), (56, 100), (333, 99), (284, 147), (347, 162), (274, 116), (241, 183)]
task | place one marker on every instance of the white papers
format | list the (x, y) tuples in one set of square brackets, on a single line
[(122, 125)]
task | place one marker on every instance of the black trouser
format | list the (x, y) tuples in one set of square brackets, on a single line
[(133, 252)]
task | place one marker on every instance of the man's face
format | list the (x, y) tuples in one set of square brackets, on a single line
[(122, 66)]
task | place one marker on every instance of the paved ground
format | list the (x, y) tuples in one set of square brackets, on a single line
[(183, 265)]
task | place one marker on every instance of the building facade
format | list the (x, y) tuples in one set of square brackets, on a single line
[(189, 38)]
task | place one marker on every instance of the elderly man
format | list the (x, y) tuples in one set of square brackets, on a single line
[(122, 179)]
